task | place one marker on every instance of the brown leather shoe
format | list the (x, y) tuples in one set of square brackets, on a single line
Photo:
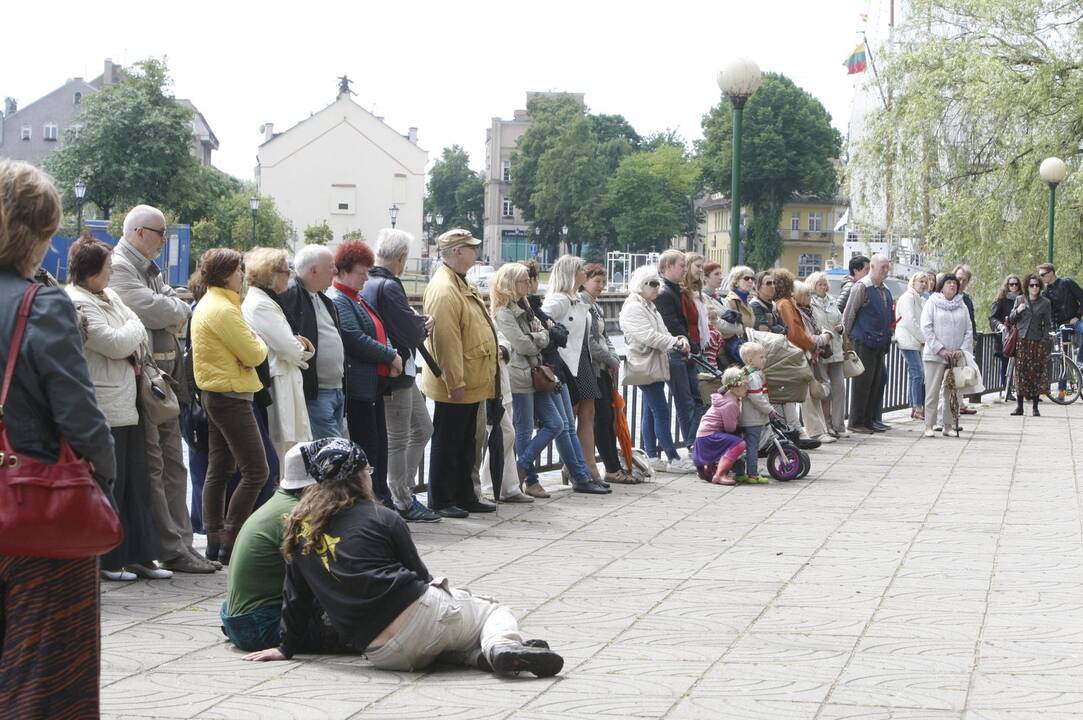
[(536, 491)]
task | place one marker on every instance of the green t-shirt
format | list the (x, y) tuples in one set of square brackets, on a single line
[(256, 567)]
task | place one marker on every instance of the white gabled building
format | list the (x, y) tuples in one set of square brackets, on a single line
[(345, 166)]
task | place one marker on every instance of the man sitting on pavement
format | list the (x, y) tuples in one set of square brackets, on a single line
[(252, 612)]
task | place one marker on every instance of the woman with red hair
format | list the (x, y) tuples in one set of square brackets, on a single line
[(371, 359)]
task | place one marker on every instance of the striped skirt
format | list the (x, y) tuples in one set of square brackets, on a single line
[(50, 638)]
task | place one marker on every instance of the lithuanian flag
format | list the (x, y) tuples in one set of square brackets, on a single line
[(856, 62)]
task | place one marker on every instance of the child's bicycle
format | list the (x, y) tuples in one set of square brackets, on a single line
[(785, 460)]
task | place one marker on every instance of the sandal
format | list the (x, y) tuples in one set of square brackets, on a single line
[(622, 477)]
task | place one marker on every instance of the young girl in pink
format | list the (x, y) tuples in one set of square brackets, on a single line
[(717, 446)]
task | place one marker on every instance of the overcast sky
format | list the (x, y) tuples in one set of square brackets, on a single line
[(445, 67)]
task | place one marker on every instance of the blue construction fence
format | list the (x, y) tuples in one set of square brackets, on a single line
[(173, 261)]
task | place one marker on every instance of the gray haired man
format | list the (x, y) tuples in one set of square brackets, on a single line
[(138, 281)]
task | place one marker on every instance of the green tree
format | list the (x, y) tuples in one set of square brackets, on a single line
[(977, 94), (649, 197), (231, 226), (132, 141), (456, 192), (353, 235), (198, 190), (320, 233), (789, 146)]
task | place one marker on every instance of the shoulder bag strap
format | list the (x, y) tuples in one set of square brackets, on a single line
[(17, 341)]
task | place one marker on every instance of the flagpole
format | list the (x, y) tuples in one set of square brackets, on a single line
[(872, 64)]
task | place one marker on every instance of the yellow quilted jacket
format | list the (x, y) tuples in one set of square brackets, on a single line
[(225, 351)]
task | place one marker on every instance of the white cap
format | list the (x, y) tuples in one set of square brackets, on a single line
[(294, 476)]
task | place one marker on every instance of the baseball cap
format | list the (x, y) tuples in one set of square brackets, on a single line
[(456, 237)]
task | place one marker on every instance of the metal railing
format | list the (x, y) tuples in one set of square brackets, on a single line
[(896, 394)]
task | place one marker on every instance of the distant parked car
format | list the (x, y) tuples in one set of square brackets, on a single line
[(480, 275)]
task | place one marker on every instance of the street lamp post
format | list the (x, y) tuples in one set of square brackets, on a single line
[(738, 81), (393, 211), (253, 205), (80, 193), (1053, 171), (564, 234)]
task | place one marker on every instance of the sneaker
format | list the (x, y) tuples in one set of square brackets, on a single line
[(928, 433), (118, 575), (756, 480), (938, 428), (419, 513), (149, 572), (659, 464), (827, 438), (514, 658), (680, 466)]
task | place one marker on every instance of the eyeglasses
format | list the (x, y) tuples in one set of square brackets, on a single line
[(1043, 273), (1013, 282), (653, 283), (750, 278), (160, 232), (768, 282), (1037, 285)]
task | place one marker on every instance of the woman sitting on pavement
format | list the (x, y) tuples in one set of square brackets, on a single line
[(1033, 315), (357, 560), (718, 446), (647, 365), (115, 344), (945, 324)]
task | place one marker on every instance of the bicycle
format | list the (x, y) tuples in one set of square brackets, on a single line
[(1065, 378)]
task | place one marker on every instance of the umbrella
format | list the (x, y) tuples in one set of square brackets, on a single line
[(624, 435), (495, 411)]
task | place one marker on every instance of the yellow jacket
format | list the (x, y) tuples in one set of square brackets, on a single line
[(463, 341), (225, 351)]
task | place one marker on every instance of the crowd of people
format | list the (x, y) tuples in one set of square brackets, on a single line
[(301, 388)]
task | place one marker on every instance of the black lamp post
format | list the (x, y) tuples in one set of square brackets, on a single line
[(80, 193), (393, 211), (253, 204)]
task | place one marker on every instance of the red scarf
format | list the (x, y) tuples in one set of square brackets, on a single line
[(382, 369)]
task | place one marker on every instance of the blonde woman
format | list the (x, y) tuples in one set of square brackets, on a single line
[(912, 341), (563, 305), (268, 273), (525, 337), (828, 317), (692, 300)]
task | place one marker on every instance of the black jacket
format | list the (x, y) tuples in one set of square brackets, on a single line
[(1066, 297), (51, 394), (970, 309), (405, 328), (668, 305), (363, 572), (302, 318)]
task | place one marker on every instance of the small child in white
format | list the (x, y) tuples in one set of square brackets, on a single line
[(756, 410), (717, 446)]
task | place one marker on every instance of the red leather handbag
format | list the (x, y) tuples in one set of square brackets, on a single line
[(49, 510)]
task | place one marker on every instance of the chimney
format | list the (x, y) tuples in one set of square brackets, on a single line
[(107, 76), (10, 106), (411, 135), (268, 130)]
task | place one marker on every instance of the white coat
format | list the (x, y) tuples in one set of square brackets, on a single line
[(646, 335), (113, 334), (908, 332), (572, 313), (287, 417)]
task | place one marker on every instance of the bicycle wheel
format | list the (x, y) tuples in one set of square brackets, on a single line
[(1064, 379)]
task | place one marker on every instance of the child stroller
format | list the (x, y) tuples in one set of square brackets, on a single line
[(785, 460)]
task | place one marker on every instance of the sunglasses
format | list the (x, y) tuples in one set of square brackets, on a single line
[(1043, 273), (1013, 282), (653, 283), (749, 277), (1034, 285), (768, 282)]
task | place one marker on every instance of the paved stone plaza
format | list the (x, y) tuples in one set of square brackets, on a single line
[(904, 578)]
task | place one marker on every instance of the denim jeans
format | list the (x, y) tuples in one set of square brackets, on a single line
[(753, 436), (654, 427), (258, 630), (684, 386), (325, 414), (915, 375), (526, 407), (568, 447)]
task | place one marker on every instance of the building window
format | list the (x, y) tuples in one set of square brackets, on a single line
[(77, 99), (795, 221), (814, 221), (49, 131), (25, 133), (505, 171), (343, 199), (506, 208), (809, 263)]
